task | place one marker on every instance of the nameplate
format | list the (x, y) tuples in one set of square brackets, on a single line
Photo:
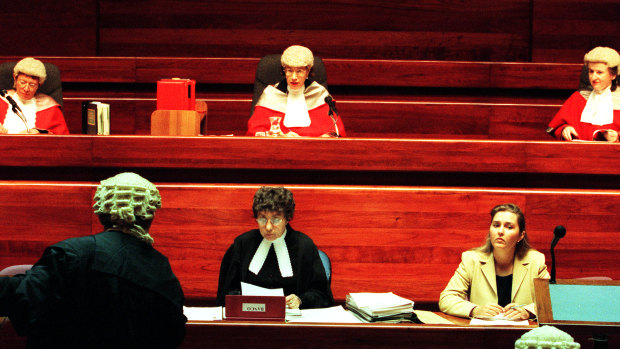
[(255, 307)]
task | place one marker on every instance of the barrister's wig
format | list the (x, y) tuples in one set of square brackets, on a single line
[(274, 199), (546, 337), (127, 202), (297, 56), (605, 55), (32, 67)]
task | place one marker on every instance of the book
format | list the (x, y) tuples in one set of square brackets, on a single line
[(95, 118)]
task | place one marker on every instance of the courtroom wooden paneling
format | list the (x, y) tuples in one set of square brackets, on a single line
[(474, 30), (46, 28), (368, 161), (565, 30), (402, 239)]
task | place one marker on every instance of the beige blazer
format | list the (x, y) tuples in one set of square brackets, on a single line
[(474, 282)]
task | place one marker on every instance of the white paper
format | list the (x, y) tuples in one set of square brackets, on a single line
[(497, 322), (253, 290), (377, 300), (203, 313), (335, 314)]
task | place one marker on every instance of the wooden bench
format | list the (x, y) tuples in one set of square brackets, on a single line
[(376, 98), (402, 239)]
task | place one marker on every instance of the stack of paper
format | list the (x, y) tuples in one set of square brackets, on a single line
[(379, 306)]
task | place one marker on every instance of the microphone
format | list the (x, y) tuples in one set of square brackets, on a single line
[(16, 109), (332, 109), (558, 233)]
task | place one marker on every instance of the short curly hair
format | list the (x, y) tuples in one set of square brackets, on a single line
[(277, 199)]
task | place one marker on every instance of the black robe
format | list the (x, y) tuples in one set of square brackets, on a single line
[(309, 281), (108, 290)]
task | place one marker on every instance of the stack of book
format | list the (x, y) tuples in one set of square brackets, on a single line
[(385, 307)]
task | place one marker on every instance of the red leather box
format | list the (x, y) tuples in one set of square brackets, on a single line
[(176, 94)]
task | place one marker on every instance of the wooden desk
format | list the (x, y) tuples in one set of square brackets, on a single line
[(239, 334), (546, 164)]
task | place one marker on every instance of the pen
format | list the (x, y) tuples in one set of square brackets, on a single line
[(517, 306)]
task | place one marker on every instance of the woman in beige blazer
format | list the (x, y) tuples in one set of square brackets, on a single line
[(498, 277)]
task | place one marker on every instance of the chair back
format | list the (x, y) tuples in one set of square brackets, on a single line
[(326, 264), (269, 72), (51, 87)]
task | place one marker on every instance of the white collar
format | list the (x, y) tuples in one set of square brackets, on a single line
[(296, 109), (599, 108), (284, 260), (14, 123)]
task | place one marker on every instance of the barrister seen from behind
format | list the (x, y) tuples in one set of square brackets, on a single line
[(109, 290)]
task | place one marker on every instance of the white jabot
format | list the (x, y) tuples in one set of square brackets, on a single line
[(296, 109), (14, 123), (284, 260), (599, 108)]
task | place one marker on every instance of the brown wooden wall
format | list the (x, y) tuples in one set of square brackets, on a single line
[(479, 30), (403, 239)]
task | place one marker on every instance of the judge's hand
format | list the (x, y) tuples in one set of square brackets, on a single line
[(516, 313), (611, 136), (569, 132), (486, 311), (3, 130), (292, 301)]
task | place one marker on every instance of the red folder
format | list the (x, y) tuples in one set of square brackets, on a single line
[(255, 307), (176, 94)]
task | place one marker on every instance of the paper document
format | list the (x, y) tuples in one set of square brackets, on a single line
[(253, 290), (498, 322), (335, 314), (428, 317), (203, 313)]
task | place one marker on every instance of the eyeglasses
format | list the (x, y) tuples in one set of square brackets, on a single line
[(24, 83), (298, 71), (274, 220)]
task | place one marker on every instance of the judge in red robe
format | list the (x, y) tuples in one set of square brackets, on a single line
[(295, 106), (592, 115), (39, 112)]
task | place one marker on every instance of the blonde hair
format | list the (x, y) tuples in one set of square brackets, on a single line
[(32, 67)]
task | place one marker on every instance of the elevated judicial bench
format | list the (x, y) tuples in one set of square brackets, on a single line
[(476, 163), (376, 98)]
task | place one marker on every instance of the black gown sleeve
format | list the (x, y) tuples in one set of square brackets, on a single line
[(230, 276)]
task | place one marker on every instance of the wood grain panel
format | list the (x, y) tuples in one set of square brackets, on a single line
[(564, 31), (49, 28), (402, 239), (476, 30)]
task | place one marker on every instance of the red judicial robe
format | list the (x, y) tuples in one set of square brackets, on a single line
[(48, 115), (273, 103), (570, 115)]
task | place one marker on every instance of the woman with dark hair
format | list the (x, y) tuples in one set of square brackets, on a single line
[(276, 256), (497, 278), (592, 114), (297, 105)]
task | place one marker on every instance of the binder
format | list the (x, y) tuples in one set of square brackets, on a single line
[(95, 118)]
